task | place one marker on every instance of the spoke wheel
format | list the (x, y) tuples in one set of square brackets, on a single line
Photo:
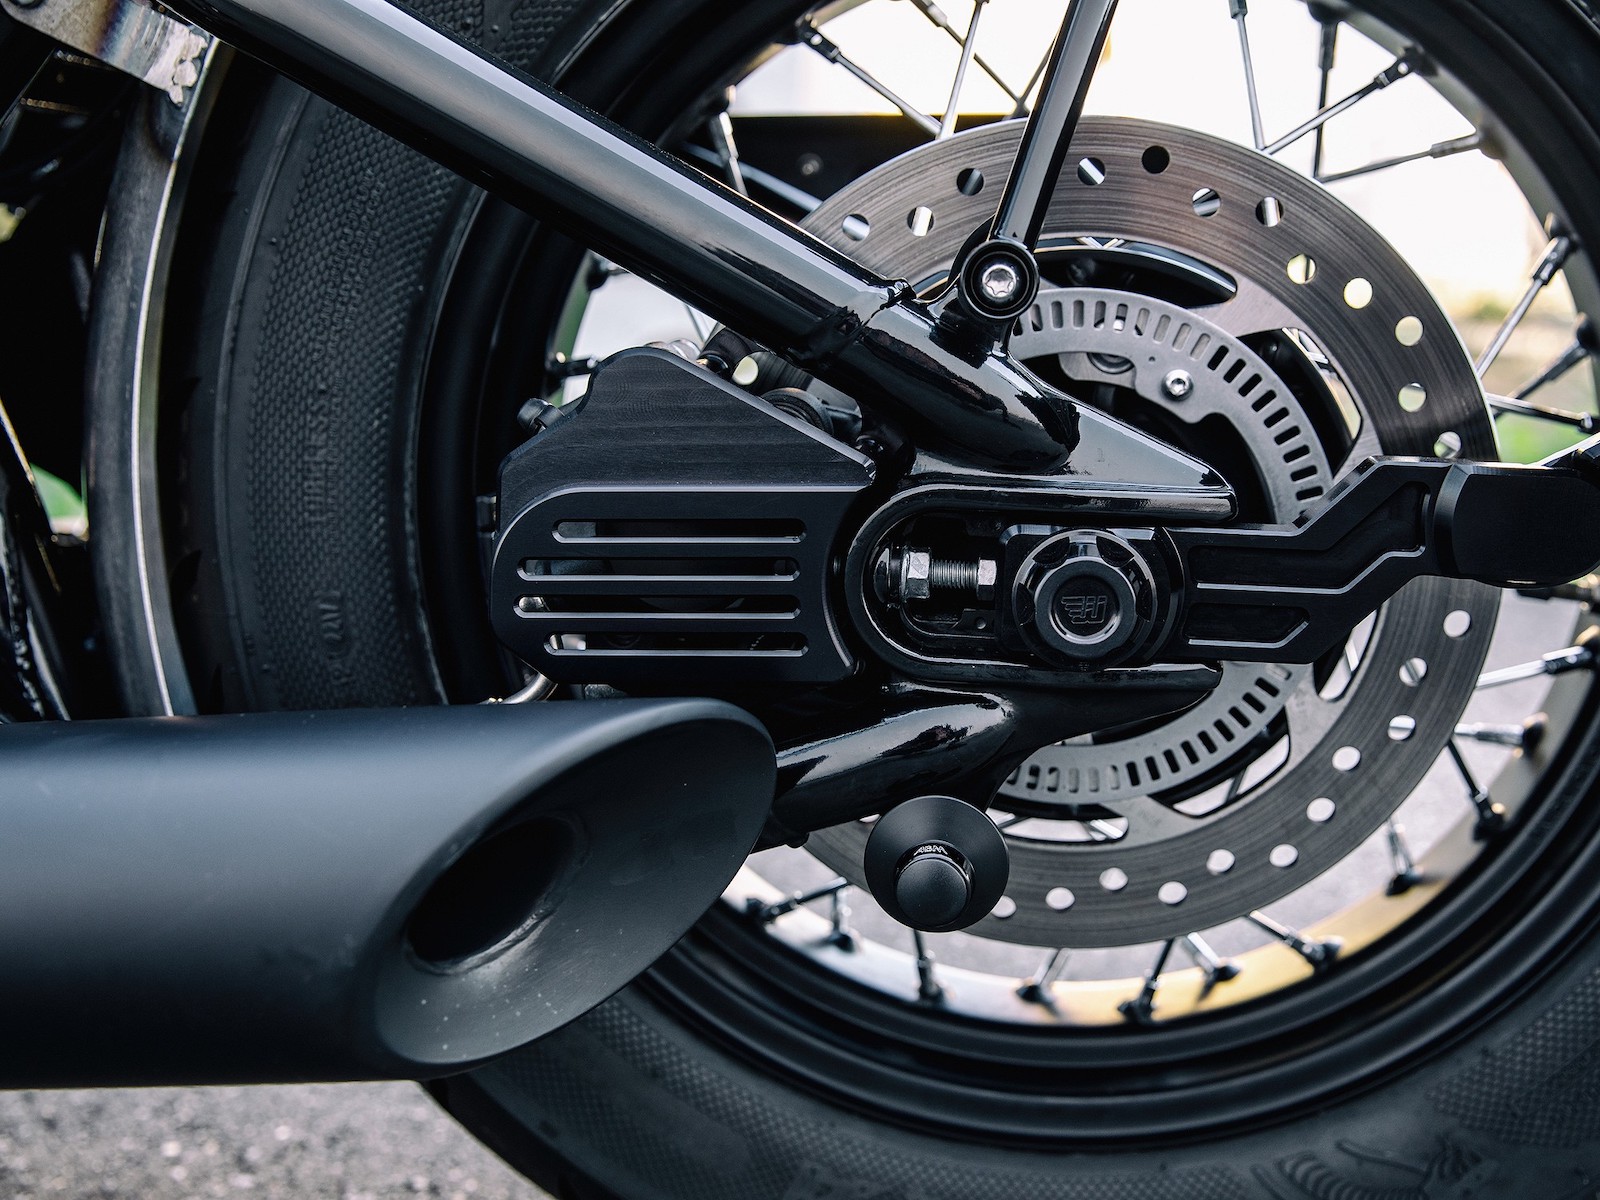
[(1173, 983)]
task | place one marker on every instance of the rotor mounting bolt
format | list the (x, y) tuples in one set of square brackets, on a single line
[(1178, 385), (1000, 282)]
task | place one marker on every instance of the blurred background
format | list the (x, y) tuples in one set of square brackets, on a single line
[(1460, 221)]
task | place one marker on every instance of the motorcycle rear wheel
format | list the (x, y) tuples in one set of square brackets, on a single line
[(325, 382)]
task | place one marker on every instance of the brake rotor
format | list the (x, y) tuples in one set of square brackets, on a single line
[(1319, 766)]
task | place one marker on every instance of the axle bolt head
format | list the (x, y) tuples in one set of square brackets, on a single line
[(1000, 282), (1178, 384)]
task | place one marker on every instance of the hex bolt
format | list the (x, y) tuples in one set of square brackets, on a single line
[(1178, 384), (1000, 282), (920, 574)]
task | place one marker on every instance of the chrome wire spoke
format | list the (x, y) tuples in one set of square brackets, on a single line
[(814, 38), (703, 325), (1021, 110), (1523, 736), (1035, 989), (768, 913), (1216, 968), (936, 15), (1585, 342), (1402, 862), (929, 989), (1320, 954), (1583, 422), (1327, 52), (781, 189), (840, 936), (1556, 252), (1557, 662), (969, 46), (1446, 149), (1240, 10), (1491, 816), (1393, 73), (1141, 1010), (559, 367)]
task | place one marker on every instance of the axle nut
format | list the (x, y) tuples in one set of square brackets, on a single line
[(1087, 597)]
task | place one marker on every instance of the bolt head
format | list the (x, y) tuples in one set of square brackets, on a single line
[(1000, 282), (1178, 384)]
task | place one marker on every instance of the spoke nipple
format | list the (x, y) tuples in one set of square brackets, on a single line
[(1321, 955), (1533, 729), (1491, 818), (840, 936), (1403, 882), (1222, 972), (1142, 1009), (1178, 385)]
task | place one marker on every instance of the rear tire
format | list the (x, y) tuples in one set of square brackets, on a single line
[(313, 567)]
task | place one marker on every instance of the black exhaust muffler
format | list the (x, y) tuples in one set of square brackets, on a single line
[(351, 895)]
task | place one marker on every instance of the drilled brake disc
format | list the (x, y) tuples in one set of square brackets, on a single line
[(1318, 766)]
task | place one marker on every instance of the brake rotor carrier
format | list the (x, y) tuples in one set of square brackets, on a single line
[(1298, 261)]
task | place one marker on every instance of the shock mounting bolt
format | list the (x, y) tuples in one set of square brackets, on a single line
[(1000, 282)]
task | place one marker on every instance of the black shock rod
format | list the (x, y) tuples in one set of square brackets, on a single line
[(631, 202), (1054, 120)]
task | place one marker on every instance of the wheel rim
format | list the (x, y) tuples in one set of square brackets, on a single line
[(959, 1050)]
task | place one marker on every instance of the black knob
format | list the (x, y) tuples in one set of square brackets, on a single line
[(933, 885), (936, 863)]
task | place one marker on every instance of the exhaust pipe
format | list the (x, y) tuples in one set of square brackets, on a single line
[(351, 895)]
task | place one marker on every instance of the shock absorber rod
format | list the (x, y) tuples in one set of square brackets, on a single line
[(635, 204)]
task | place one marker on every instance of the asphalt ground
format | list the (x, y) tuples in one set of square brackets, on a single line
[(342, 1142)]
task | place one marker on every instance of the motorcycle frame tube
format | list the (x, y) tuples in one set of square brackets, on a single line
[(659, 218)]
